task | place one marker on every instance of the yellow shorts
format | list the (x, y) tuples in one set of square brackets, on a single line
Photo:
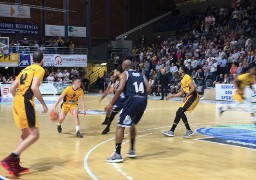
[(68, 107), (190, 103), (238, 97), (24, 113)]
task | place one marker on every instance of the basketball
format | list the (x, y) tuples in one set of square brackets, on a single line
[(54, 115)]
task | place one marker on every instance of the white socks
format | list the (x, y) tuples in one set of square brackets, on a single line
[(77, 128)]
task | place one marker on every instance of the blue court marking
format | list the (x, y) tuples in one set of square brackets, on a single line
[(3, 178), (235, 134)]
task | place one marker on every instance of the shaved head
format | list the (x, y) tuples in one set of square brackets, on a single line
[(127, 64)]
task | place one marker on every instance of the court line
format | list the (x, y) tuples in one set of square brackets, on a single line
[(87, 156), (3, 178), (86, 166)]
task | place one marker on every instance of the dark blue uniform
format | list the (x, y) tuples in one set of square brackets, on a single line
[(136, 99)]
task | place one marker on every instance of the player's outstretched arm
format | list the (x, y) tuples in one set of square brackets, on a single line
[(105, 93), (118, 91), (179, 94), (58, 101)]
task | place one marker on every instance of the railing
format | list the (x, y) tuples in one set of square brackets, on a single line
[(143, 25), (47, 50)]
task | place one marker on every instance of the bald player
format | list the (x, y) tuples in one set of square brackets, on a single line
[(135, 87)]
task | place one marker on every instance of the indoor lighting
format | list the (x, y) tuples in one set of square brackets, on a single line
[(103, 64)]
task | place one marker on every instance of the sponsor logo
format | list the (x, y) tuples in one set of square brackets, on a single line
[(5, 91), (24, 62), (58, 60), (233, 135)]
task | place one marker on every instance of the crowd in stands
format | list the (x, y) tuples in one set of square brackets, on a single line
[(214, 47), (54, 45), (55, 75)]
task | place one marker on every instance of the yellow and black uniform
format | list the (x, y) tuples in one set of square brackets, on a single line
[(192, 101), (244, 80), (23, 105), (70, 100)]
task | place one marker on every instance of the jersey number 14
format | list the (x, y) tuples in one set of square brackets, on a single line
[(139, 88)]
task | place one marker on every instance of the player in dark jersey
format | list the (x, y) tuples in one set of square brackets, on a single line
[(24, 90), (119, 102), (109, 90), (136, 88)]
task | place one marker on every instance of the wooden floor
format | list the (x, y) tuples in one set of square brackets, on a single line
[(63, 156)]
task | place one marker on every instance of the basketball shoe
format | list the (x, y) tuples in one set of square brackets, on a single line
[(106, 130), (78, 134), (168, 133), (22, 170), (131, 153), (115, 158), (220, 109), (11, 164), (188, 134), (59, 129)]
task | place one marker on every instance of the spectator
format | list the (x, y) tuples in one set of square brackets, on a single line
[(50, 78), (163, 83)]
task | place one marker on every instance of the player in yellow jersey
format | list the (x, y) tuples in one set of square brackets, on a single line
[(243, 80), (70, 97), (189, 103), (24, 90)]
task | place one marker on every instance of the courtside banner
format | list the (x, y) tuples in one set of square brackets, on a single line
[(48, 88), (49, 60), (16, 11), (10, 60), (5, 90), (65, 60), (224, 92)]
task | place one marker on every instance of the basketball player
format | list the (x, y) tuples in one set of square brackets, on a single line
[(189, 103), (136, 88), (70, 97), (109, 90), (243, 80), (24, 90), (119, 102)]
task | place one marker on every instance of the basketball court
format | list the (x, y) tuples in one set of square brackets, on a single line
[(222, 148)]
